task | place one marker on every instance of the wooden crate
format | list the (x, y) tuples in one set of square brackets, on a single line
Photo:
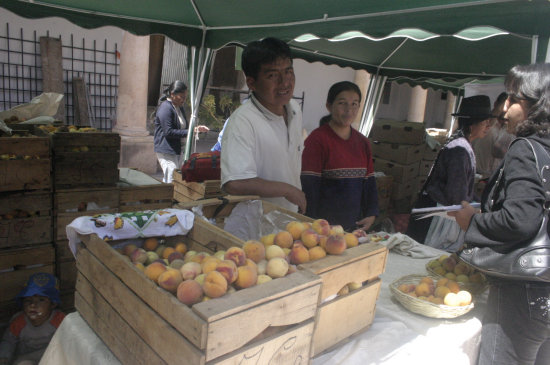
[(140, 191), (66, 273), (16, 266), (26, 218), (190, 191), (343, 316), (85, 159), (73, 203), (144, 324), (25, 163)]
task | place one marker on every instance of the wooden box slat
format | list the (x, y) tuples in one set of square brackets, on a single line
[(66, 273), (25, 174), (25, 231), (34, 255), (185, 191), (85, 169), (62, 251), (147, 197), (61, 140), (37, 202)]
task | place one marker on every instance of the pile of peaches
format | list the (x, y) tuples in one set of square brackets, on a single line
[(443, 291)]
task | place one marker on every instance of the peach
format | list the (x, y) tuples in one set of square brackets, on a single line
[(128, 249), (139, 255), (453, 285), (251, 264), (210, 264), (200, 278), (449, 264), (286, 251), (441, 282), (316, 253), (461, 268), (310, 238), (151, 257), (354, 286), (323, 242), (254, 250), (476, 277), (321, 226), (228, 269), (295, 228), (236, 254), (188, 255), (291, 269), (274, 251), (190, 270), (220, 255), (267, 240), (160, 250), (215, 284), (422, 289), (170, 279), (441, 291), (199, 257), (277, 267), (262, 267), (337, 230), (177, 264), (174, 256), (247, 277), (140, 266), (464, 297), (154, 270), (189, 292), (335, 244), (283, 239), (351, 240), (150, 244), (451, 299), (167, 252), (181, 248), (462, 278), (298, 254), (262, 278)]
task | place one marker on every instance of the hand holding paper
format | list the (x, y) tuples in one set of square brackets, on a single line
[(443, 211), (464, 216)]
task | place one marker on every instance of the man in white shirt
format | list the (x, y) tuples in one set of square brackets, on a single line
[(262, 142)]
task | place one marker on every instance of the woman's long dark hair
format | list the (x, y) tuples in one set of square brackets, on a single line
[(175, 87), (531, 83), (333, 93)]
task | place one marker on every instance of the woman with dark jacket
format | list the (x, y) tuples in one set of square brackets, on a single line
[(170, 127), (516, 326)]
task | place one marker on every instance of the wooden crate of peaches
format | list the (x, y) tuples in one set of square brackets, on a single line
[(172, 299), (349, 271)]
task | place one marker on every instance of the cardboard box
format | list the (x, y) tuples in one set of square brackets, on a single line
[(26, 218), (430, 154), (404, 189), (400, 173), (25, 163), (383, 187), (392, 131), (424, 168), (400, 153), (144, 324)]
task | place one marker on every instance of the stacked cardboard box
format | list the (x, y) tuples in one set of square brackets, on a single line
[(398, 148)]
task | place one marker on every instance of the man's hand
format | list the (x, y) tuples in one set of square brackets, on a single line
[(298, 197), (464, 215)]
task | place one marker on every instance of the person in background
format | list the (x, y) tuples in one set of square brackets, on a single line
[(490, 150), (262, 142), (31, 330), (516, 325), (337, 167), (452, 177), (170, 127)]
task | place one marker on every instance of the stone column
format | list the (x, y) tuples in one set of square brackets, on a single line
[(131, 122), (362, 79), (450, 104), (417, 106)]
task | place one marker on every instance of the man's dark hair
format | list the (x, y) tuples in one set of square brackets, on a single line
[(262, 52)]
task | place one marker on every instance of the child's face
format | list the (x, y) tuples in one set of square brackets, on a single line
[(38, 309)]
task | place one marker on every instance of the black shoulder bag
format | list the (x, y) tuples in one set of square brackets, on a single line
[(527, 261)]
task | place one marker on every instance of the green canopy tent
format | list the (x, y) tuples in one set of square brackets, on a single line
[(375, 35)]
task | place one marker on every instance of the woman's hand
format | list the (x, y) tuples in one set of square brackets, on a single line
[(366, 223), (464, 215), (201, 128)]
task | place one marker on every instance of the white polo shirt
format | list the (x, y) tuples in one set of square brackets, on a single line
[(257, 143)]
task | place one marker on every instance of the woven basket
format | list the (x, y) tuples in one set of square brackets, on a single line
[(423, 307), (473, 288)]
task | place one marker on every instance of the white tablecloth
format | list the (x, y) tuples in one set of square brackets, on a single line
[(396, 336)]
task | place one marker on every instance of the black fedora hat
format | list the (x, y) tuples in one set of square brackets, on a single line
[(476, 107)]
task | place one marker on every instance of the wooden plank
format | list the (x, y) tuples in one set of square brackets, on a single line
[(164, 303), (76, 200), (62, 251), (146, 192), (360, 263), (153, 329), (345, 316), (66, 273), (85, 168), (108, 141), (291, 346), (35, 146), (37, 202), (115, 332), (40, 254), (11, 282), (280, 302), (25, 231), (25, 174), (206, 233), (80, 102), (51, 56), (186, 191)]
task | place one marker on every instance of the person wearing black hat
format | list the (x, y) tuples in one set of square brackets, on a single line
[(451, 179)]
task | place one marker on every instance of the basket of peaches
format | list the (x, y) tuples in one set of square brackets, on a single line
[(431, 296), (451, 267)]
